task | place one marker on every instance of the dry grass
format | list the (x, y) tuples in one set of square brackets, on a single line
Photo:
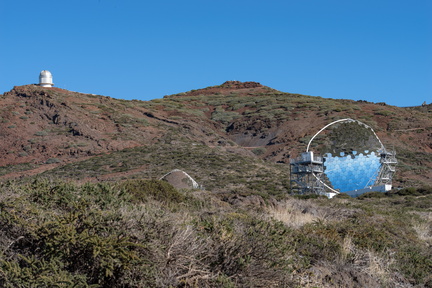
[(295, 213), (347, 250), (424, 229), (378, 266), (371, 268)]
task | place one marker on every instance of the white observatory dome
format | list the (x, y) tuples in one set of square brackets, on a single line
[(45, 79)]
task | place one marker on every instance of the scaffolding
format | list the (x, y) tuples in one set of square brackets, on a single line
[(306, 172), (388, 168)]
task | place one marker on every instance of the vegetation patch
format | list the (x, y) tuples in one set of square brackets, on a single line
[(145, 233)]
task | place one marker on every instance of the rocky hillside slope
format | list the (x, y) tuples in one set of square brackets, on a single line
[(46, 128), (81, 204)]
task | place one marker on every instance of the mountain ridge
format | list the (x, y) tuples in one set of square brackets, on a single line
[(84, 201), (53, 126)]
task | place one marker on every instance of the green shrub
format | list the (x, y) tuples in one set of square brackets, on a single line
[(41, 133), (342, 196), (53, 160), (372, 195), (70, 244), (259, 151), (412, 191), (416, 263), (384, 113), (85, 244), (33, 272), (308, 196), (162, 191), (224, 116)]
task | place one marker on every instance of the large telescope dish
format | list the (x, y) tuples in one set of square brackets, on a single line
[(352, 153)]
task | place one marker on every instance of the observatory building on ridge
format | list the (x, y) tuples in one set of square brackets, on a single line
[(45, 79)]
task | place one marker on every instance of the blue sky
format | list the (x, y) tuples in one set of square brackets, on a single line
[(379, 51)]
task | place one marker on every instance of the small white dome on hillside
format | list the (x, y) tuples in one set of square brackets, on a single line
[(180, 180), (45, 79)]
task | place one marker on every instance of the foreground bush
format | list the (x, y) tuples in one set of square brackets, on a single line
[(145, 233)]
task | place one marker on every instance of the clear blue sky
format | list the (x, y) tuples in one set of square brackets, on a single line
[(374, 50)]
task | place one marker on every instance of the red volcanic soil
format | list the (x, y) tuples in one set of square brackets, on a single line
[(47, 127), (38, 124)]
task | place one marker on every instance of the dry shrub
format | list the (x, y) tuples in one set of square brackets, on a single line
[(424, 229), (354, 268), (379, 266), (295, 213), (179, 254), (200, 249), (347, 249), (185, 258)]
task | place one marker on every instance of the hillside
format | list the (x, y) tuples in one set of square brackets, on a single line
[(46, 128), (81, 204)]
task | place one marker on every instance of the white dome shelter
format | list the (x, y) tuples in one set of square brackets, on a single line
[(45, 79)]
